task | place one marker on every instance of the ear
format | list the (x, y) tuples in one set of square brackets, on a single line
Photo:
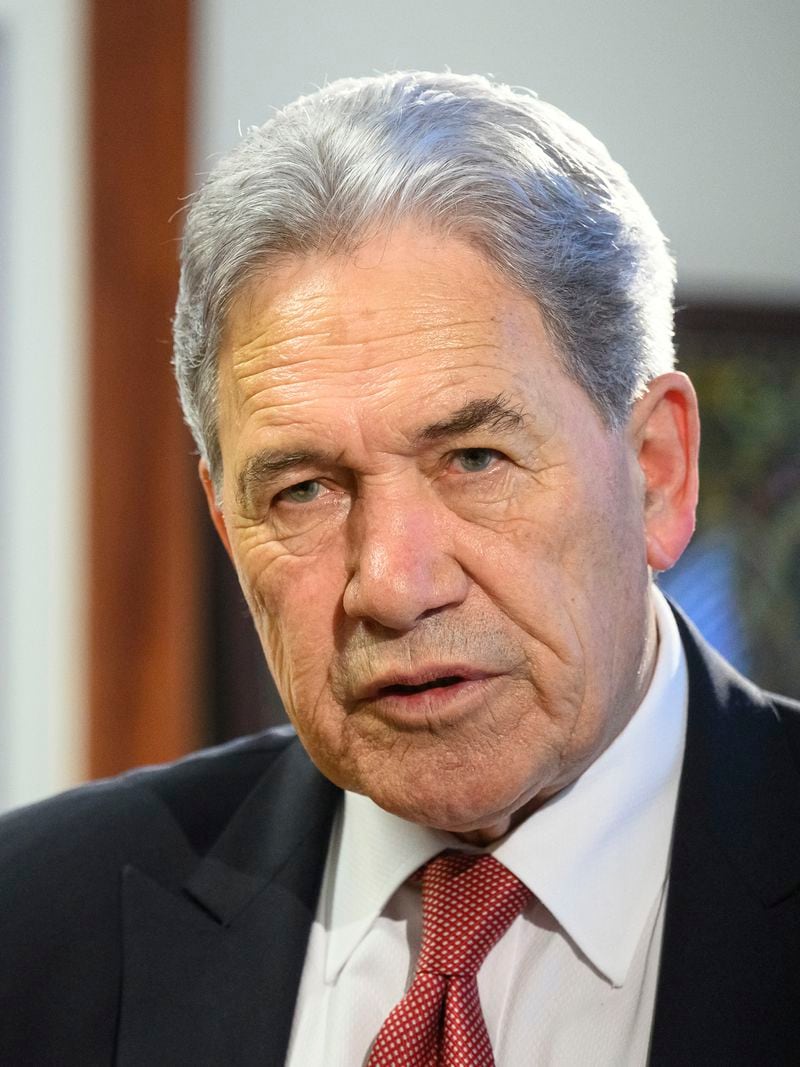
[(666, 437), (213, 506)]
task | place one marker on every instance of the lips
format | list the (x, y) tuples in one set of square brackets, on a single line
[(406, 684), (406, 690)]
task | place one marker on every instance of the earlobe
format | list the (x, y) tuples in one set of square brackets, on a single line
[(666, 431), (214, 508)]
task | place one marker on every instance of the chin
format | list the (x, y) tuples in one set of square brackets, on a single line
[(457, 810), (440, 789)]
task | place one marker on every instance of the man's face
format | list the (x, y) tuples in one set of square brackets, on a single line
[(442, 546)]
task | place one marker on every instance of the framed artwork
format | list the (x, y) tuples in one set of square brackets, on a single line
[(740, 578)]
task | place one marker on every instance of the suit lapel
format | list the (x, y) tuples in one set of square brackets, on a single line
[(211, 970), (733, 912)]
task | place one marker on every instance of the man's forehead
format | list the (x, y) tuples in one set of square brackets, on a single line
[(397, 342), (380, 327), (404, 285), (325, 343)]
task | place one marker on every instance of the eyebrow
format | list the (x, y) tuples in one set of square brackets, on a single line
[(485, 413), (269, 463), (494, 413)]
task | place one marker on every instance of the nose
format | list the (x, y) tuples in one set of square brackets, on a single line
[(402, 565)]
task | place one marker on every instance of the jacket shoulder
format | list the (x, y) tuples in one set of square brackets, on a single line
[(63, 861), (120, 818), (61, 858)]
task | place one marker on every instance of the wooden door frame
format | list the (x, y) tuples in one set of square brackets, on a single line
[(145, 633)]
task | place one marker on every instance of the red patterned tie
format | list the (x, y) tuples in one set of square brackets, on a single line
[(468, 903)]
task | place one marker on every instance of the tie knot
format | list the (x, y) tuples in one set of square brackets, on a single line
[(468, 903)]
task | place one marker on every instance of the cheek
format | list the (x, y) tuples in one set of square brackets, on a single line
[(295, 602), (521, 563), (561, 569)]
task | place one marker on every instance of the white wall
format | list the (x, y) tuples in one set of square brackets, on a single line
[(697, 98), (42, 704)]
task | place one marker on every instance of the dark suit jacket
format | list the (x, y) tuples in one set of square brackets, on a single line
[(162, 918)]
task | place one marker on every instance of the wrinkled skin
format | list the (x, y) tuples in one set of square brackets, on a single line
[(380, 540)]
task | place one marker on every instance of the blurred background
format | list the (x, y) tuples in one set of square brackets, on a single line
[(123, 638)]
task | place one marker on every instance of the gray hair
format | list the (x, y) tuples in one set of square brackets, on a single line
[(523, 183)]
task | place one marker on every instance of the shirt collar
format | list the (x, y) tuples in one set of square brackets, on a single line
[(596, 854), (371, 854)]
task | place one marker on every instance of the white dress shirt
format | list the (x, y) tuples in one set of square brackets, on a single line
[(572, 982)]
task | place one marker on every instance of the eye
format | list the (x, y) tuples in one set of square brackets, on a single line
[(302, 493), (475, 460)]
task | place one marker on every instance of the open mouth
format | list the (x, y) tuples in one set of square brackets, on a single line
[(409, 690)]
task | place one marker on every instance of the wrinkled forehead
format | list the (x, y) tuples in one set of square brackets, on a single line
[(404, 303)]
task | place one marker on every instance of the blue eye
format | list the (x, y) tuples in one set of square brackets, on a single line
[(475, 460), (302, 493)]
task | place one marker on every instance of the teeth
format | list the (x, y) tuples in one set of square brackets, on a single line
[(436, 683)]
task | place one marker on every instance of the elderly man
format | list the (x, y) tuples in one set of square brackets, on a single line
[(423, 340)]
